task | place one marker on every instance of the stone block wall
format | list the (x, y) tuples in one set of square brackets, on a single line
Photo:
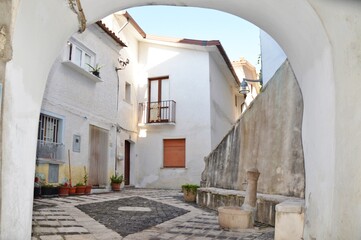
[(267, 137)]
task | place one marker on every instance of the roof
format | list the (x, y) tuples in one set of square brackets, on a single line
[(111, 33)]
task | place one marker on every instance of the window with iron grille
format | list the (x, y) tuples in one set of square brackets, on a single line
[(50, 144), (48, 128)]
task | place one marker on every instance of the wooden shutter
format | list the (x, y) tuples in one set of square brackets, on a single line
[(174, 153)]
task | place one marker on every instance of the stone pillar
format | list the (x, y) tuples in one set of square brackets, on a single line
[(251, 191)]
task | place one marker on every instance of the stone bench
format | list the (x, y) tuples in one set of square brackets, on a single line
[(213, 198)]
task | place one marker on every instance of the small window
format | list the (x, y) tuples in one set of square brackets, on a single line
[(81, 55), (128, 92), (49, 129), (235, 100), (174, 153)]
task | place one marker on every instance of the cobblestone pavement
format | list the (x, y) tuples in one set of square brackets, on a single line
[(143, 214)]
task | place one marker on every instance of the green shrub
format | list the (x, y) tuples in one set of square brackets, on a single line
[(190, 187), (116, 178)]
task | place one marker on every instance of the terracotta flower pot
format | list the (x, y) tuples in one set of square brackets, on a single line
[(189, 196), (72, 190), (116, 186), (88, 189), (63, 191), (80, 190)]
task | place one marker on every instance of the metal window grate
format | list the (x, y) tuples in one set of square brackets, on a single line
[(48, 129)]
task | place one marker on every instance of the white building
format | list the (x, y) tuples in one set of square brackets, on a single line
[(153, 120), (84, 117)]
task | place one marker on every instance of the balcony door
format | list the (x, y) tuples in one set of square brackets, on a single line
[(158, 107)]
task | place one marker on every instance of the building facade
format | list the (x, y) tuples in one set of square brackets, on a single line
[(137, 118)]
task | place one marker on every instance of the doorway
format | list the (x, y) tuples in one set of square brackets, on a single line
[(127, 162), (98, 141)]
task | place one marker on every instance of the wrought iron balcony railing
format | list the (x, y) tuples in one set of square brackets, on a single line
[(157, 112), (50, 150)]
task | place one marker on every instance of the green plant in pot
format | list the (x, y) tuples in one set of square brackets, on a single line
[(80, 188), (116, 181), (63, 189), (95, 69), (190, 192), (48, 190), (88, 188)]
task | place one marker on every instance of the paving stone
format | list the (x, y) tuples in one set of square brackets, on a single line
[(72, 230), (80, 237), (45, 230), (52, 237)]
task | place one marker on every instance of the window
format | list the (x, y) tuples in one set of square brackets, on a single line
[(81, 55), (50, 137), (128, 89), (174, 153), (48, 128)]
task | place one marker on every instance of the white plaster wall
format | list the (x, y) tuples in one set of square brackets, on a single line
[(223, 112), (83, 102), (322, 49), (189, 88), (272, 56)]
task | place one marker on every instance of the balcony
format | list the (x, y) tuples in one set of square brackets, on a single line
[(50, 151), (157, 112)]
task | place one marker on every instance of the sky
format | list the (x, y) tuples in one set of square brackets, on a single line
[(238, 37)]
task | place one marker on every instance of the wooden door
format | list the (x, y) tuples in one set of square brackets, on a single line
[(127, 162), (98, 156)]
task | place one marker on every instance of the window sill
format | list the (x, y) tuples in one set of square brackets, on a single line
[(48, 161), (173, 168), (156, 124), (82, 71)]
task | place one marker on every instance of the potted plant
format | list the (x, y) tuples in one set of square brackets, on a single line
[(80, 188), (190, 192), (88, 188), (63, 189), (116, 181), (95, 70), (72, 190), (37, 187), (48, 190)]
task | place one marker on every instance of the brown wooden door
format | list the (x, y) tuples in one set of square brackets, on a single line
[(98, 156), (127, 162)]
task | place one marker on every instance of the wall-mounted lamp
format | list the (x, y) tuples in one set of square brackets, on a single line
[(123, 63), (244, 89)]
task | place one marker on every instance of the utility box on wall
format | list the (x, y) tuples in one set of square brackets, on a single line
[(76, 143)]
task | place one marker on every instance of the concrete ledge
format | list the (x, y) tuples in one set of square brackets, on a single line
[(214, 198), (290, 220), (291, 206)]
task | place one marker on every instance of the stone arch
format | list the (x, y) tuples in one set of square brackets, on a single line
[(41, 28)]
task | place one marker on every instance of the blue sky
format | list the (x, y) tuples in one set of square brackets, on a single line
[(238, 37)]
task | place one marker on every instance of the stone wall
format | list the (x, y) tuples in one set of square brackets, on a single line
[(267, 136)]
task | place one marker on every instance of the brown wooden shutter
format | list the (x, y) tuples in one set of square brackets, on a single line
[(174, 153)]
